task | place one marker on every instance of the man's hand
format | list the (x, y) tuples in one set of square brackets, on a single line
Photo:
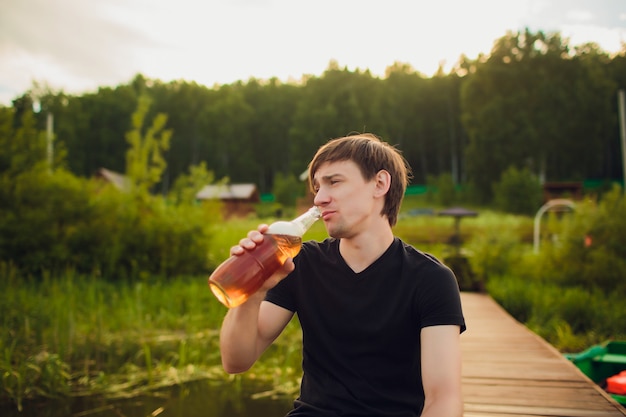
[(249, 243)]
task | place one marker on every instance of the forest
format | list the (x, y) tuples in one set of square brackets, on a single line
[(534, 103)]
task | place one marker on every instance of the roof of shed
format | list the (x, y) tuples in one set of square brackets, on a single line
[(227, 191)]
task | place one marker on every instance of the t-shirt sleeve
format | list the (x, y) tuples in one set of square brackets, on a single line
[(440, 302), (281, 294)]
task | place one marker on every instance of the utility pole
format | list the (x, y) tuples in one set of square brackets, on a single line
[(622, 122), (50, 140)]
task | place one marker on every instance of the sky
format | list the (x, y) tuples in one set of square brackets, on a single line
[(76, 46)]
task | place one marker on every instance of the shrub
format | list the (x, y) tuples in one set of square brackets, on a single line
[(442, 189), (591, 249), (518, 191), (287, 189)]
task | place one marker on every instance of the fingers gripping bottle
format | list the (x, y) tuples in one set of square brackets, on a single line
[(240, 276)]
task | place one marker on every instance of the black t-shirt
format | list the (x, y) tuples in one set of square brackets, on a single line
[(361, 331)]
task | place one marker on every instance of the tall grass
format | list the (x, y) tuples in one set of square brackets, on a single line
[(75, 333), (571, 319), (79, 335)]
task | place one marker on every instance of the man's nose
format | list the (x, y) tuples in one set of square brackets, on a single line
[(321, 197)]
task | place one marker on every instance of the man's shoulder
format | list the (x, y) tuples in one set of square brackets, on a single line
[(319, 245), (418, 258)]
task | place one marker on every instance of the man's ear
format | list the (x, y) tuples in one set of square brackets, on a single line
[(383, 182)]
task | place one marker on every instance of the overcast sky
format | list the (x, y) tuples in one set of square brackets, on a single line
[(80, 45)]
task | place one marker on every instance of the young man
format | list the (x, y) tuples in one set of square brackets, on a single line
[(381, 321)]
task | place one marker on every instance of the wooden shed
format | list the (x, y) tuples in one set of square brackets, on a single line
[(238, 199), (569, 189)]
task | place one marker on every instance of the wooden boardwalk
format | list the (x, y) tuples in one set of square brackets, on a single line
[(509, 371)]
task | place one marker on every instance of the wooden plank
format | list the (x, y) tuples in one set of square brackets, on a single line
[(509, 371), (531, 410)]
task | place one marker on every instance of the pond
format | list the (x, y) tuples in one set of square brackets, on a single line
[(196, 399)]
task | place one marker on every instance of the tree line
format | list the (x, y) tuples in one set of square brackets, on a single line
[(534, 103)]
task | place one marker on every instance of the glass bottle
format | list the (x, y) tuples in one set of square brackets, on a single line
[(240, 276)]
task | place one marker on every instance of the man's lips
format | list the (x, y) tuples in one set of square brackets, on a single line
[(326, 214)]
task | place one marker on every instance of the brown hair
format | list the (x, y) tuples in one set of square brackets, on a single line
[(371, 155)]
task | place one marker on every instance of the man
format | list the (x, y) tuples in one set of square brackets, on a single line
[(381, 321)]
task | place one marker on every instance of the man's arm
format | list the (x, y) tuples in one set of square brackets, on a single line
[(441, 371), (248, 330)]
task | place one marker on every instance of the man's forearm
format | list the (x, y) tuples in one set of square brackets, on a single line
[(239, 336)]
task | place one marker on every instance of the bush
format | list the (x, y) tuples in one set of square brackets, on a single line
[(287, 189), (494, 252), (442, 189), (57, 221), (518, 192), (41, 216), (591, 249)]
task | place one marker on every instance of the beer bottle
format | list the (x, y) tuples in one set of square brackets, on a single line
[(240, 276)]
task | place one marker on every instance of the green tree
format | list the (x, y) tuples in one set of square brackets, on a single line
[(39, 208), (186, 104), (529, 104), (144, 159), (443, 188), (274, 105), (518, 191), (338, 103), (287, 189), (229, 118), (187, 185), (22, 146)]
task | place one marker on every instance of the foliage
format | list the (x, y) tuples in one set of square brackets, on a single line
[(443, 189), (591, 248), (144, 159), (518, 192), (531, 104), (571, 292), (495, 251), (72, 334), (22, 146), (51, 220), (534, 103), (570, 318), (187, 185), (287, 189), (40, 224)]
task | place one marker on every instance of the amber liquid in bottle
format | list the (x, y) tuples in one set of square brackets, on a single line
[(241, 276)]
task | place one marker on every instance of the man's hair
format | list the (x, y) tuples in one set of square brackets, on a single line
[(371, 155)]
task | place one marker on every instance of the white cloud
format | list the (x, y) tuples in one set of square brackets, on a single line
[(580, 15)]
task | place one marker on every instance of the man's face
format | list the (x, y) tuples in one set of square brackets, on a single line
[(346, 200)]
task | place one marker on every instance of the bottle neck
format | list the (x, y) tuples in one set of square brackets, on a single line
[(296, 227), (306, 220)]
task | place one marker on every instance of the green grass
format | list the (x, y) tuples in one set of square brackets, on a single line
[(79, 335)]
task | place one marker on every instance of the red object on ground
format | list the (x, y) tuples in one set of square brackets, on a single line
[(617, 384)]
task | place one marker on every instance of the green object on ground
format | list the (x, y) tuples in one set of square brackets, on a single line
[(600, 362)]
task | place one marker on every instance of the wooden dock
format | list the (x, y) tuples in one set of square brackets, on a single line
[(509, 371)]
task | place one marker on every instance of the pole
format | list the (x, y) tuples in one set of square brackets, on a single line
[(50, 139), (622, 122)]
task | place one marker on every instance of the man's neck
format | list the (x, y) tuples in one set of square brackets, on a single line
[(361, 251)]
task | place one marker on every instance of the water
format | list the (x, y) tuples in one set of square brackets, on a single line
[(196, 399)]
